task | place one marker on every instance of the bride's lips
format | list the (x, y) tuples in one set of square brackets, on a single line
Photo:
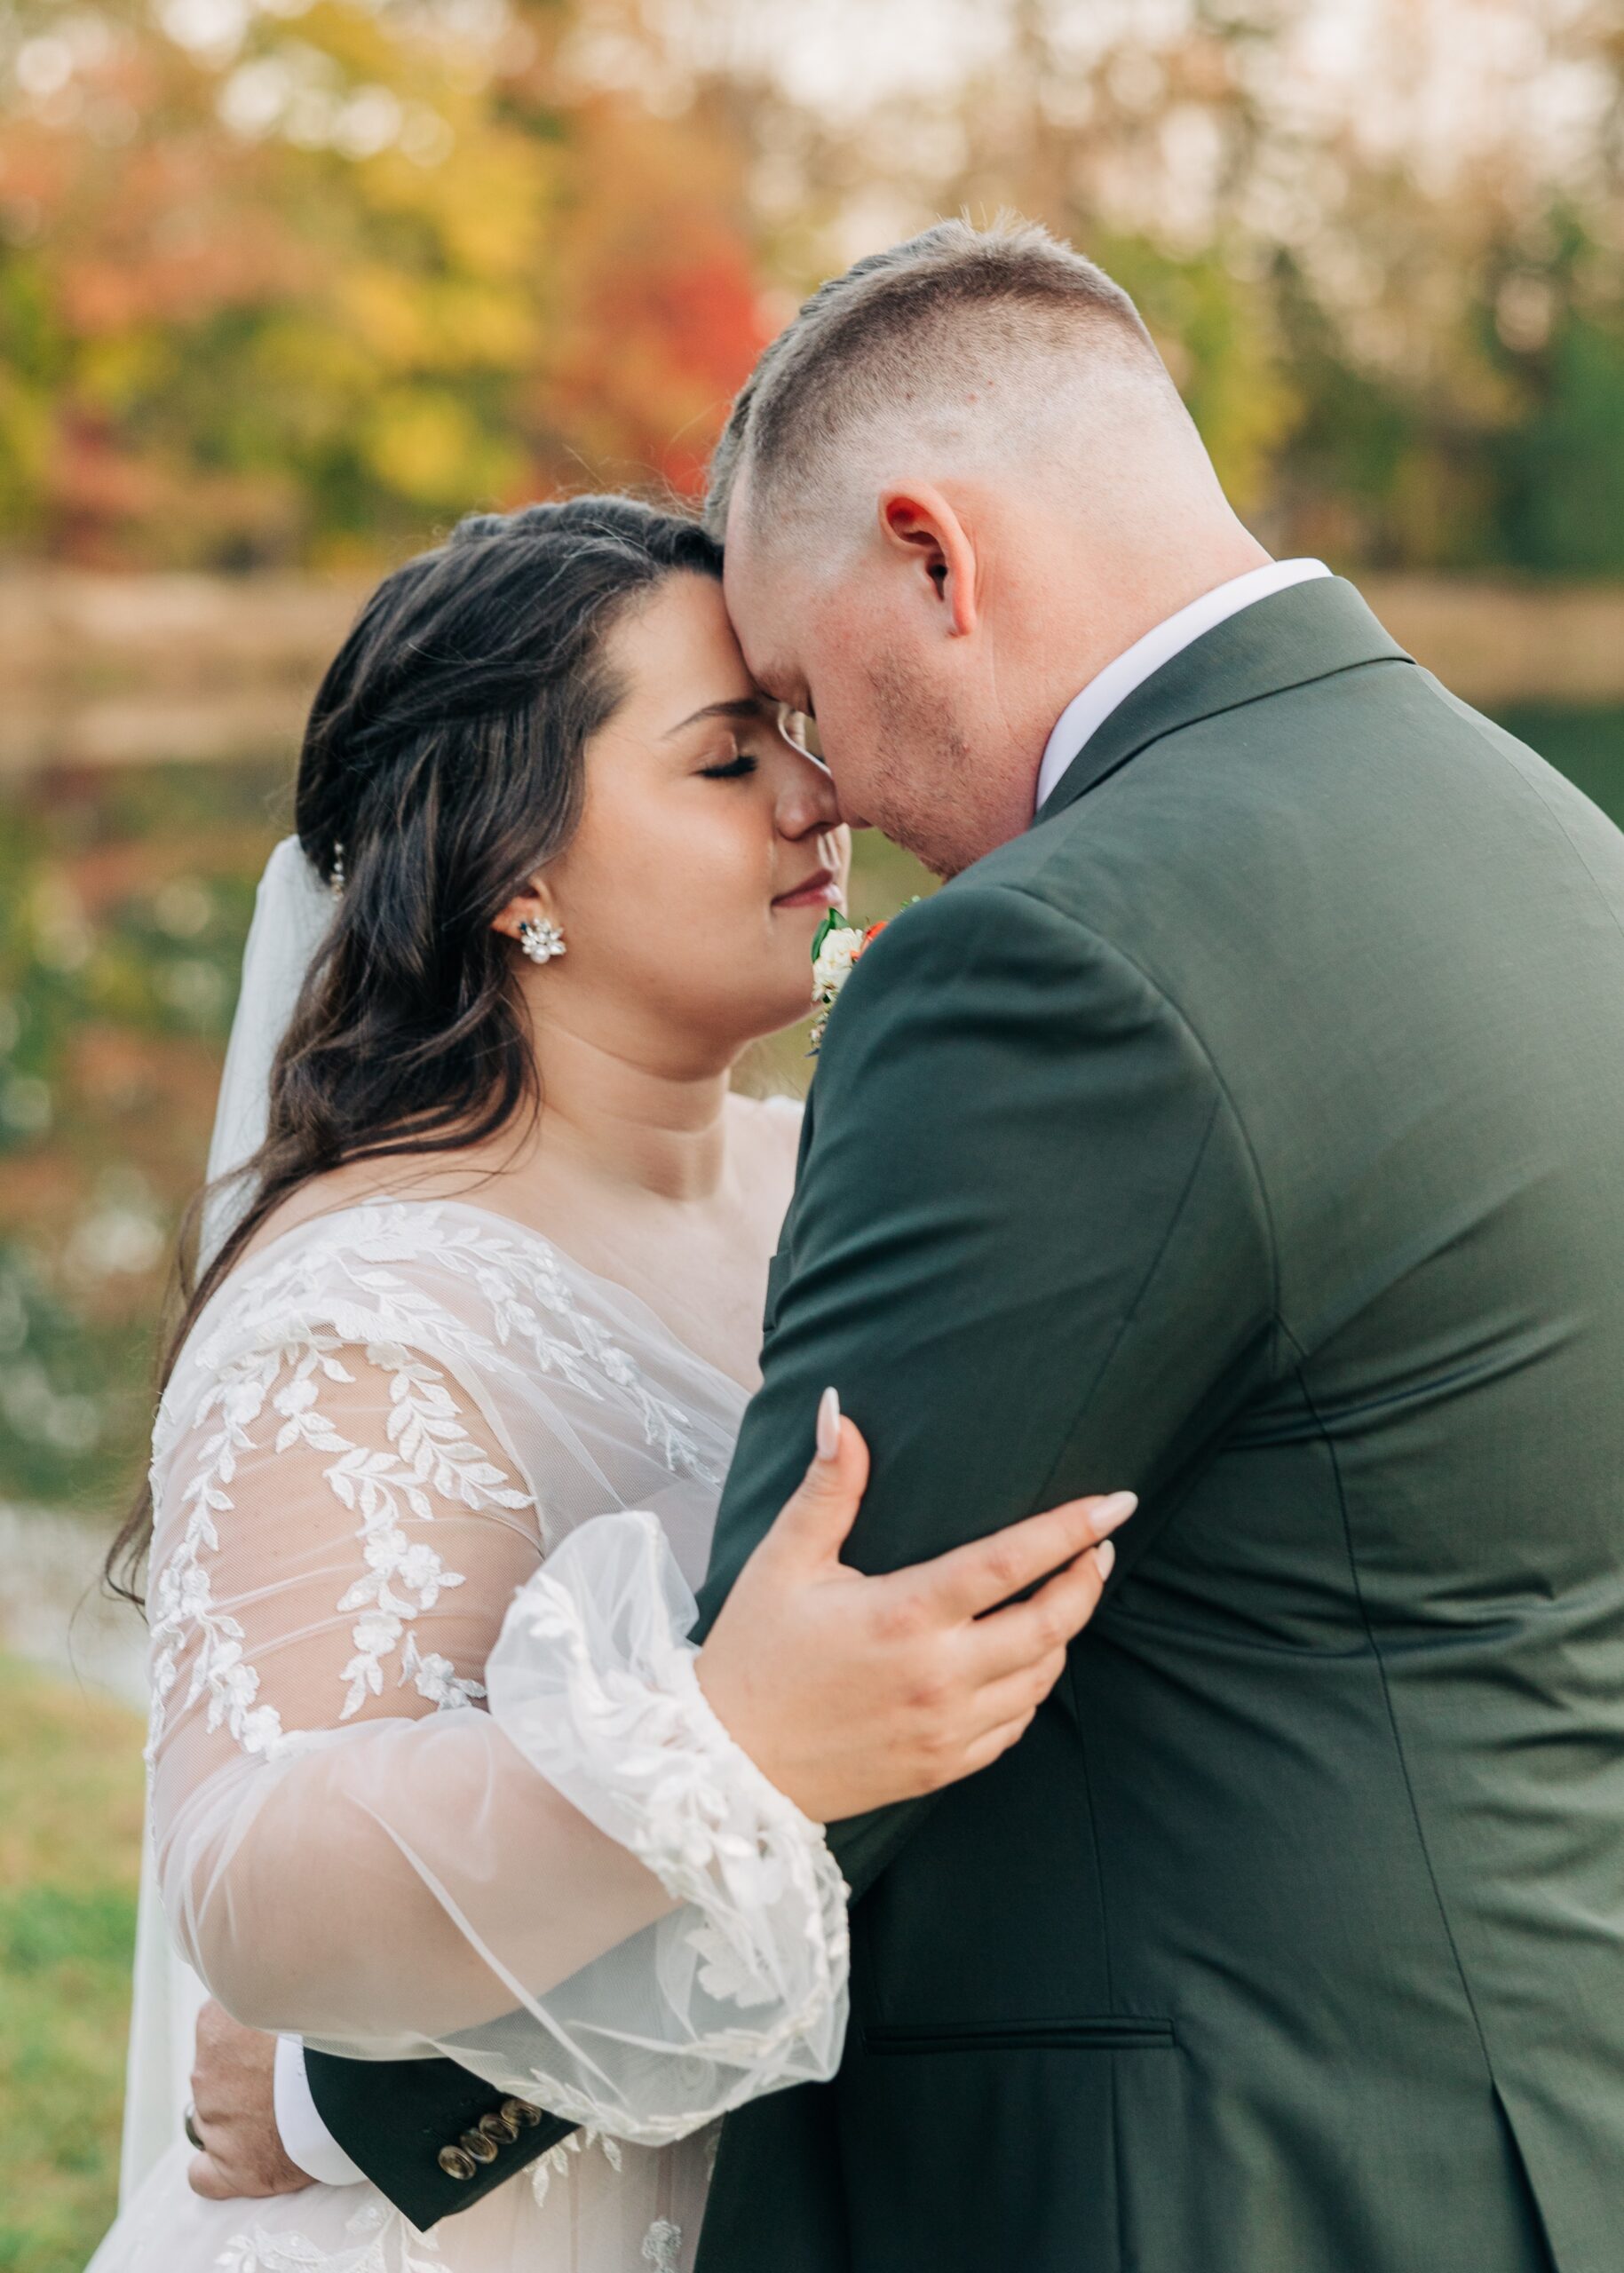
[(821, 889)]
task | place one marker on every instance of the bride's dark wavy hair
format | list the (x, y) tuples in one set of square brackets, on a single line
[(445, 756)]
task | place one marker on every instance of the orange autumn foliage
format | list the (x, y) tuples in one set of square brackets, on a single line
[(662, 309), (442, 277)]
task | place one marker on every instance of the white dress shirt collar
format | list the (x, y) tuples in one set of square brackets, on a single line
[(1082, 718)]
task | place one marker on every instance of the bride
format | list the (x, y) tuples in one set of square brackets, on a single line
[(446, 1416)]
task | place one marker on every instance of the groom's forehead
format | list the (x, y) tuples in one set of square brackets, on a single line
[(761, 604)]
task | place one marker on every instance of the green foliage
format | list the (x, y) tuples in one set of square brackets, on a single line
[(1484, 453), (1224, 344), (1561, 468), (70, 1831), (124, 900)]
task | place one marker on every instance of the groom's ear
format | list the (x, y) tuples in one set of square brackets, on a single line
[(921, 524)]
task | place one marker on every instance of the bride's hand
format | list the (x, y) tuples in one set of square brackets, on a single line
[(849, 1693)]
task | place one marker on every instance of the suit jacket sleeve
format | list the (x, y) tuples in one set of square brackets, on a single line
[(392, 2117), (1027, 1246)]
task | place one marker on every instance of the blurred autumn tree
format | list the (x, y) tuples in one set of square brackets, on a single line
[(1382, 245), (301, 280), (286, 282)]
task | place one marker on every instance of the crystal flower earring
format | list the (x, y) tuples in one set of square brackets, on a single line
[(541, 939)]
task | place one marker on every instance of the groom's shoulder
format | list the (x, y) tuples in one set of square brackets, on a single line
[(1008, 892), (1070, 869), (1042, 897), (1015, 935)]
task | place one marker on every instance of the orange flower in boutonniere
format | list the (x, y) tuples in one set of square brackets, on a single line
[(838, 949)]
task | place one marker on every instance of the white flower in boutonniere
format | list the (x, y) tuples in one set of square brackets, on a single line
[(838, 949)]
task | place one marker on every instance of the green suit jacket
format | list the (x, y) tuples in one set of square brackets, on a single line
[(1247, 1134)]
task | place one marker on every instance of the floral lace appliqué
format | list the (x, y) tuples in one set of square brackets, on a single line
[(276, 1340), (555, 2163), (429, 1452), (382, 2242), (661, 2245)]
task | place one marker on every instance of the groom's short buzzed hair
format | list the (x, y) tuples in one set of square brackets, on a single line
[(948, 305)]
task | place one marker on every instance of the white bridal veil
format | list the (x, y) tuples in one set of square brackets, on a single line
[(291, 914)]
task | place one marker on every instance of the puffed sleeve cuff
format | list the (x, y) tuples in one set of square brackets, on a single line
[(745, 1988)]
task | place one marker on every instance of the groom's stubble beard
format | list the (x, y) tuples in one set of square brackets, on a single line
[(921, 785)]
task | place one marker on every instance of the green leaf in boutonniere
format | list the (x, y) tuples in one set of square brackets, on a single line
[(836, 920)]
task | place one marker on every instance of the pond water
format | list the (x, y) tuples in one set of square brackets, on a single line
[(124, 897), (1586, 745)]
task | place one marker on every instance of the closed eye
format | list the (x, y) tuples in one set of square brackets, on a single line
[(733, 769)]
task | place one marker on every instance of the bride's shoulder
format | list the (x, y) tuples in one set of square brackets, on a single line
[(343, 1192), (375, 1259), (424, 1289)]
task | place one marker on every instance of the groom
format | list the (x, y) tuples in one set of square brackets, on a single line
[(1248, 1130)]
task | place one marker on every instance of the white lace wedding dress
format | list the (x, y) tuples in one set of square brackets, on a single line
[(400, 1428)]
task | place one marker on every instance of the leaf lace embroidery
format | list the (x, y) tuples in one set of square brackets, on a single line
[(373, 2228), (661, 2245), (714, 1831), (724, 1840), (429, 1450), (555, 2162), (268, 1328)]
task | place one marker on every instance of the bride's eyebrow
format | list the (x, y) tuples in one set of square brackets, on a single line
[(747, 707)]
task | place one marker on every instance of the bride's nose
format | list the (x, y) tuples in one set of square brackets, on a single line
[(807, 804)]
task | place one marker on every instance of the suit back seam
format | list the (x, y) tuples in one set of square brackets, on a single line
[(1399, 1753)]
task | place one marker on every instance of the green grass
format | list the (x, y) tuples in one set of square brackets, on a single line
[(70, 1836)]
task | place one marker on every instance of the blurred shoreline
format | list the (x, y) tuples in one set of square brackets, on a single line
[(54, 1611), (105, 670)]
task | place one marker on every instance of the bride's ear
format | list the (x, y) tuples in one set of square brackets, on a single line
[(534, 905)]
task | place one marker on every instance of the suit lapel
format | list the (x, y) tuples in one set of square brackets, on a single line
[(1310, 631)]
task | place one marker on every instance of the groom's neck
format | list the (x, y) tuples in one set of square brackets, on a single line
[(1115, 597), (1063, 601)]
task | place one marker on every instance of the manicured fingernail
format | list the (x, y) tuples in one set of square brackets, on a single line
[(828, 1424), (1104, 1555), (1113, 1511)]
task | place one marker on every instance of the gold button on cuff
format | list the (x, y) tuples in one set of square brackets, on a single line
[(521, 2111), (456, 2163), (500, 2128), (479, 2147)]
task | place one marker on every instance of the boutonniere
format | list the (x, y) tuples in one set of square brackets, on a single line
[(838, 949)]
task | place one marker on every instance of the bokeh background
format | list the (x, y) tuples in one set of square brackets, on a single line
[(287, 285)]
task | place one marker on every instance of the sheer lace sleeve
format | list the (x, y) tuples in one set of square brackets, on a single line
[(383, 1828)]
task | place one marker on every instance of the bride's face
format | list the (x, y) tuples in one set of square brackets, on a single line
[(709, 850)]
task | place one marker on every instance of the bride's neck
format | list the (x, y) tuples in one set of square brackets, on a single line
[(619, 1122)]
